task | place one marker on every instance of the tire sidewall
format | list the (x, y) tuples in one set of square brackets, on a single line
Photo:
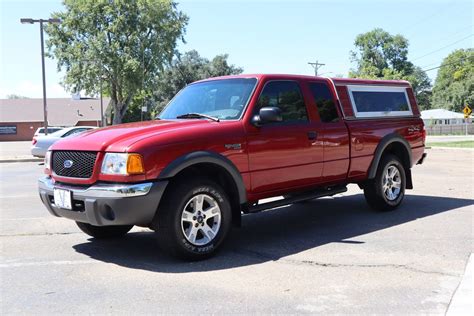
[(391, 161), (218, 194)]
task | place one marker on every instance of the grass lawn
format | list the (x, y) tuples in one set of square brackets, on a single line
[(459, 144)]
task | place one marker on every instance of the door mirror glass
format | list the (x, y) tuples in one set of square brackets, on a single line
[(269, 114)]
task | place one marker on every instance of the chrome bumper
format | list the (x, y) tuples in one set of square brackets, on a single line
[(99, 190), (106, 204)]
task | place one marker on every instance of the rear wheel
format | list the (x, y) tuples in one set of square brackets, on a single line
[(193, 220), (386, 191), (103, 232)]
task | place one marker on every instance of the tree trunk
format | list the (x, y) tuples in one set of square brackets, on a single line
[(118, 113), (120, 108), (120, 103), (116, 119)]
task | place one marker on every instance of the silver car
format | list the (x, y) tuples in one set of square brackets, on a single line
[(42, 143)]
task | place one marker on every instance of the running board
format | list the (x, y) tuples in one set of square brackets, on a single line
[(303, 197)]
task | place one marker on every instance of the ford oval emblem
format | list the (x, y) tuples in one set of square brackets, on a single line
[(68, 163)]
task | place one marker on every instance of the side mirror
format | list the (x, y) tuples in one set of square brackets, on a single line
[(268, 114)]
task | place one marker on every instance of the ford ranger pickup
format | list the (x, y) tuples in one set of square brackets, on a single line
[(222, 145)]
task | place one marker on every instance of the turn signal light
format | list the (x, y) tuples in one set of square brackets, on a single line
[(135, 164)]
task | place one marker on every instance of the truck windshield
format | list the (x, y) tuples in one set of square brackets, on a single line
[(223, 99)]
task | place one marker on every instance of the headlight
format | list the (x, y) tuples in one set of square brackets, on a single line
[(47, 160), (122, 164)]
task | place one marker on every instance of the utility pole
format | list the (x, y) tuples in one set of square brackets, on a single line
[(316, 65)]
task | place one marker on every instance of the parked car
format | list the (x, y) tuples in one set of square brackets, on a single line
[(41, 144), (40, 132), (51, 129), (224, 144)]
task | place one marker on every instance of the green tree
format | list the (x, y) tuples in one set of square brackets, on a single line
[(454, 84), (126, 43), (16, 96), (187, 68), (380, 55)]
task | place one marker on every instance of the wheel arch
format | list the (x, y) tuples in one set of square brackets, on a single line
[(213, 166), (397, 145)]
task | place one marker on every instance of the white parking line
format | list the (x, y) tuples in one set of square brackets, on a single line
[(16, 196), (22, 219), (45, 263)]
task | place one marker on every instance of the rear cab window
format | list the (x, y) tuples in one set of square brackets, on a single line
[(378, 101), (324, 102)]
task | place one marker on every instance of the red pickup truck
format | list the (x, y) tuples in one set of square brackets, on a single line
[(224, 144)]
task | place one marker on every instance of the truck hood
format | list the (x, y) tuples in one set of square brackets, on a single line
[(119, 138)]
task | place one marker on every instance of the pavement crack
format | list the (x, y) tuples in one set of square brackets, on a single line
[(269, 257), (39, 234), (384, 265)]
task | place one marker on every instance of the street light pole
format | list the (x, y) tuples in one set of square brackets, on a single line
[(45, 106), (101, 106)]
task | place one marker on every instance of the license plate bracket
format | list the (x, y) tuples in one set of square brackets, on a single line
[(63, 198)]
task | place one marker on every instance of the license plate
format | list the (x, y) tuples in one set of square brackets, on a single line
[(62, 198)]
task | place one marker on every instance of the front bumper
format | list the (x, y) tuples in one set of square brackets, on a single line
[(106, 204)]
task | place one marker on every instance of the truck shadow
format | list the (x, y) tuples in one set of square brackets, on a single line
[(275, 234)]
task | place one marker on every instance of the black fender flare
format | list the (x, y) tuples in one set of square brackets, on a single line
[(197, 157), (384, 143)]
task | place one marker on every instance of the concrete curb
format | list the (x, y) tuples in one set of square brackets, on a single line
[(448, 148), (10, 160), (461, 302)]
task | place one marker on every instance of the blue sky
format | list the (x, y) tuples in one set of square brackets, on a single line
[(260, 36)]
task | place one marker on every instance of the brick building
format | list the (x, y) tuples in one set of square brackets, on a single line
[(19, 118)]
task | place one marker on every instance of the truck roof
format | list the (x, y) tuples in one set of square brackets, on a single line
[(337, 80)]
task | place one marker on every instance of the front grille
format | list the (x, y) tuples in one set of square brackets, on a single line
[(82, 163)]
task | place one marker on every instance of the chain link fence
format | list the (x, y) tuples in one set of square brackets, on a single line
[(450, 129)]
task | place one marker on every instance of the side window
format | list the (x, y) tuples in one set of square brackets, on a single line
[(287, 96), (324, 101)]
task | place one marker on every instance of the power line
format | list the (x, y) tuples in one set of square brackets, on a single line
[(450, 36), (448, 64), (447, 7), (461, 30), (437, 50), (316, 65)]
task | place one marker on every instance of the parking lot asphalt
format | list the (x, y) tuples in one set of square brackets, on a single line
[(332, 255)]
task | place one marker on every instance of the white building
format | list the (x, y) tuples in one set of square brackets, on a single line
[(441, 117)]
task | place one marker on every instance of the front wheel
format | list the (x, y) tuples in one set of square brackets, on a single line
[(194, 219), (104, 232), (386, 191)]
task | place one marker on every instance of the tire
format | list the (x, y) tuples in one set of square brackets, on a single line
[(386, 191), (104, 232), (193, 220)]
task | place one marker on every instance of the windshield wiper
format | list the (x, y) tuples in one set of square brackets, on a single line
[(197, 115)]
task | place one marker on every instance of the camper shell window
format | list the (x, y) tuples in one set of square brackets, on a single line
[(379, 101)]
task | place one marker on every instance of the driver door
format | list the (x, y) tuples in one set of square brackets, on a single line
[(285, 154)]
